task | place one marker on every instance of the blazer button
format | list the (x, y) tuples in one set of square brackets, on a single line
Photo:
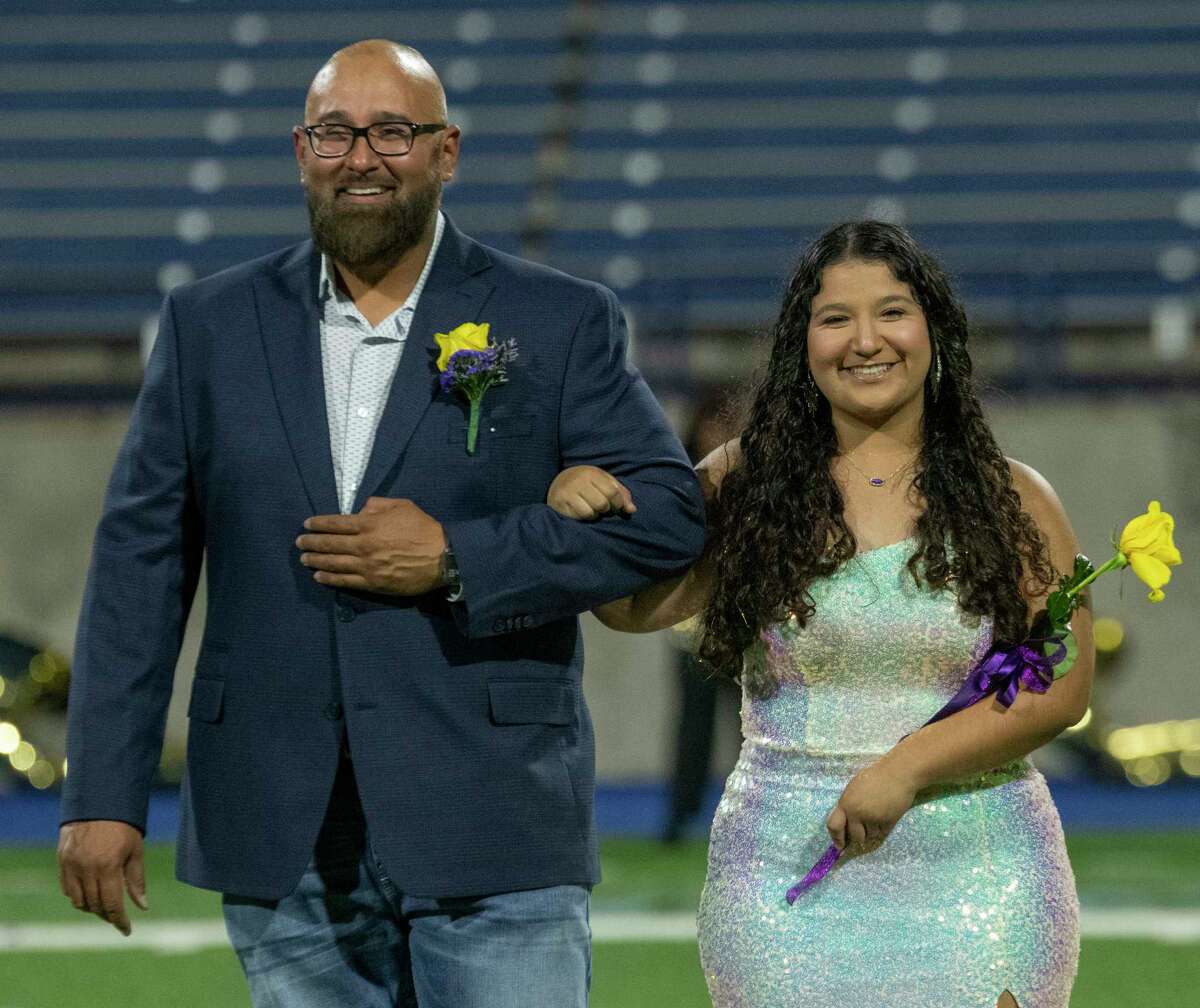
[(500, 625), (345, 614), (333, 711), (526, 622)]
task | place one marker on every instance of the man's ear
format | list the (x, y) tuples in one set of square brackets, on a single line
[(300, 145), (448, 155)]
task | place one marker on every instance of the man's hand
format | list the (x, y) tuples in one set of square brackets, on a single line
[(98, 860), (390, 546), (586, 492), (869, 808)]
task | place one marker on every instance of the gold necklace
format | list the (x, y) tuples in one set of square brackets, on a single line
[(878, 481)]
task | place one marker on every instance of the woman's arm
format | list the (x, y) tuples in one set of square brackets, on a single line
[(669, 602), (986, 734)]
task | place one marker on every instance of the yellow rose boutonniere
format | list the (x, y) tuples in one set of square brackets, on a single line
[(470, 365), (468, 336)]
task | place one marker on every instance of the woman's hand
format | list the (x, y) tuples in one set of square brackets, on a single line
[(870, 807), (585, 492)]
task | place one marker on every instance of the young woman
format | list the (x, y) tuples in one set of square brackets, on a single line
[(867, 542)]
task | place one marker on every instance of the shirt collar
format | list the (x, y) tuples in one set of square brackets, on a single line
[(331, 296)]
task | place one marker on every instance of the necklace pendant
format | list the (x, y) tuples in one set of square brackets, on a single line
[(876, 481)]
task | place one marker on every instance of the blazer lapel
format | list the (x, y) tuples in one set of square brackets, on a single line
[(288, 318), (453, 294)]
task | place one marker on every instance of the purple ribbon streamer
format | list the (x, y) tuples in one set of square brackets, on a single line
[(1002, 671)]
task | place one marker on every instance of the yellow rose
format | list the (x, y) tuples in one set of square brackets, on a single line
[(1147, 546), (468, 336)]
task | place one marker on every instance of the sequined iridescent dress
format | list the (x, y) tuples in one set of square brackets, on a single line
[(972, 892)]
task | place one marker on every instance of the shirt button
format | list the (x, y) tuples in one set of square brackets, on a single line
[(333, 711), (345, 614), (361, 412)]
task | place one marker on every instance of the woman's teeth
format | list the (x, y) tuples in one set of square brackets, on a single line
[(867, 370)]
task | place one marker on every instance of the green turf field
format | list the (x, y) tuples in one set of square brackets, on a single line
[(1115, 872)]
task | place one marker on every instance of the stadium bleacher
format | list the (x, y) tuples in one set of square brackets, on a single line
[(1049, 151)]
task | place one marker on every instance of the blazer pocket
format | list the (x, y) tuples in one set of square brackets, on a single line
[(532, 701), (493, 428), (207, 700)]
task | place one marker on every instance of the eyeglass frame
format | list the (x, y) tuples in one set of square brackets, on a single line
[(418, 129)]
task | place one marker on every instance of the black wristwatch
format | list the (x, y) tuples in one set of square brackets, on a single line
[(450, 574)]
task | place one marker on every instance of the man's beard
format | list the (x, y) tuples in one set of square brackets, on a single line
[(369, 241)]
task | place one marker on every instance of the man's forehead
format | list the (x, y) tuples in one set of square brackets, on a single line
[(372, 86)]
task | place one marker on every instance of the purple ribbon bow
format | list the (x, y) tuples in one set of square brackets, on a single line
[(1002, 671)]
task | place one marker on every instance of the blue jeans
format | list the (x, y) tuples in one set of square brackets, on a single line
[(346, 937)]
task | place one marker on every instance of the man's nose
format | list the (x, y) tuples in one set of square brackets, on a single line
[(361, 158)]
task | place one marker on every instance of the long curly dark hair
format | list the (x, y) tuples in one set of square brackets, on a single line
[(778, 524)]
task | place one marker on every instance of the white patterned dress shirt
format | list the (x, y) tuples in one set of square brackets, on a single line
[(359, 361)]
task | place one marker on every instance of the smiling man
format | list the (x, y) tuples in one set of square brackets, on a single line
[(390, 763)]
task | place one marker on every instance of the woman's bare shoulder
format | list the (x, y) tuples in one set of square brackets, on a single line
[(713, 468)]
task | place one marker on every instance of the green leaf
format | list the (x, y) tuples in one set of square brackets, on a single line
[(1058, 609), (1064, 666)]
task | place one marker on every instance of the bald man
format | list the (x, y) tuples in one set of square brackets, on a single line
[(390, 764)]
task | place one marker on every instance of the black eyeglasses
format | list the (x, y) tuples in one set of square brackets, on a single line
[(387, 139)]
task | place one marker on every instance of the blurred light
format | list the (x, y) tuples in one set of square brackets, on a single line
[(206, 175), (1147, 771), (1153, 739), (1172, 322), (631, 220), (945, 18), (194, 226), (41, 668), (914, 115), (1083, 722), (223, 126), (23, 757), (896, 164), (3, 685), (1187, 734), (462, 119), (149, 336), (235, 77), (41, 774), (650, 117), (10, 738), (623, 272), (172, 274), (475, 26), (1189, 762), (64, 768), (656, 69), (885, 208), (928, 66), (1178, 263), (249, 30), (1189, 208), (642, 168), (463, 74), (667, 21), (1108, 633)]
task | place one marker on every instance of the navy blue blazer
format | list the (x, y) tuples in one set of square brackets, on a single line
[(472, 744)]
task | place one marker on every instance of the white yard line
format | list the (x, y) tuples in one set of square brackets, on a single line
[(183, 936)]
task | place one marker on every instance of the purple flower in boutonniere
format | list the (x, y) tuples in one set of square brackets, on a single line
[(471, 365)]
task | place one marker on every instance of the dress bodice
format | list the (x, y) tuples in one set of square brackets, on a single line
[(877, 659)]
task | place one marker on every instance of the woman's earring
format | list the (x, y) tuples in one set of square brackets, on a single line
[(935, 376), (810, 394)]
